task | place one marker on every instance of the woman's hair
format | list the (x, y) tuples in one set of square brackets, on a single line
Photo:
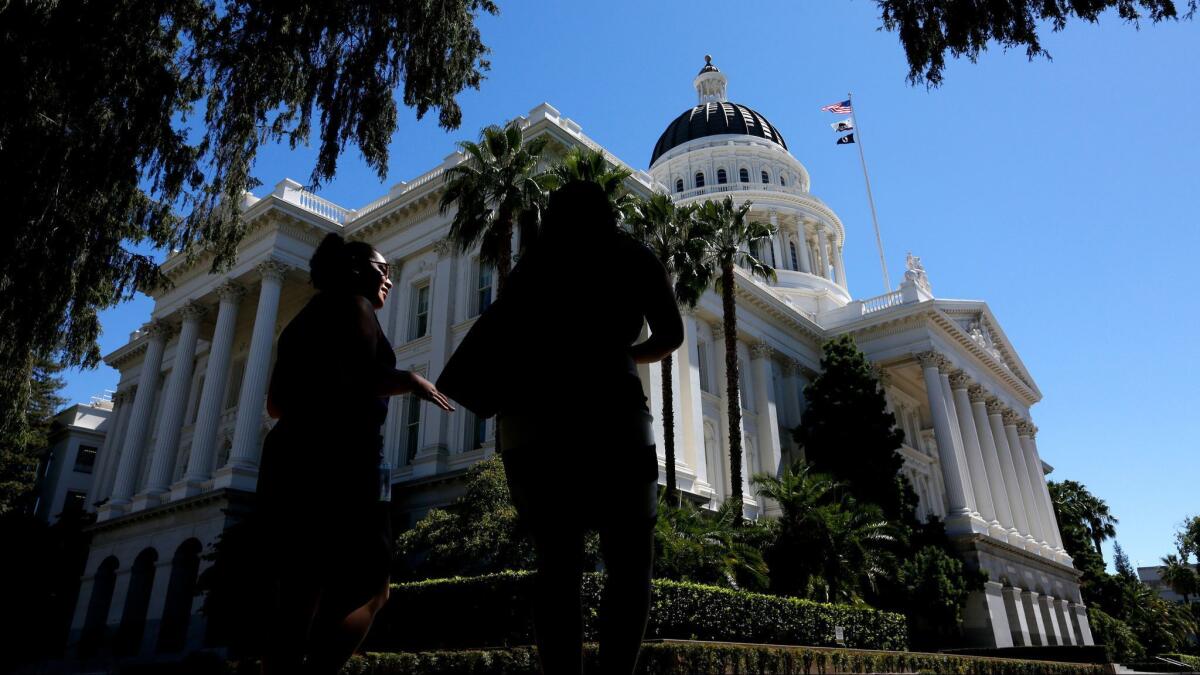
[(579, 208), (333, 264)]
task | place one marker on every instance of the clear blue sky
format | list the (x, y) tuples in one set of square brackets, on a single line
[(1061, 192)]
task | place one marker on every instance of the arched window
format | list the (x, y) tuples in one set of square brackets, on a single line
[(721, 177), (679, 185), (98, 606), (765, 177), (181, 588), (699, 179), (795, 262), (743, 175), (137, 601), (781, 180)]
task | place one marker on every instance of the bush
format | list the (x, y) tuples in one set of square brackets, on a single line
[(493, 610), (1193, 661), (1116, 635)]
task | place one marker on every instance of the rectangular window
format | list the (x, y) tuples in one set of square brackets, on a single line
[(85, 458), (412, 428), (74, 502), (476, 432), (702, 362), (420, 312), (483, 288)]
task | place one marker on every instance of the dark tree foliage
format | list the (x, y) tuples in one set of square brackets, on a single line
[(128, 123), (23, 442), (928, 29), (847, 432)]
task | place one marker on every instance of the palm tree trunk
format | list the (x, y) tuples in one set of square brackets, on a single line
[(733, 403), (504, 257), (668, 421)]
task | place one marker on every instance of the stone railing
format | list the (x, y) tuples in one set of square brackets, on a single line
[(881, 302), (739, 187)]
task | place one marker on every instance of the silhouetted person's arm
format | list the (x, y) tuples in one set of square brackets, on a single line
[(662, 313)]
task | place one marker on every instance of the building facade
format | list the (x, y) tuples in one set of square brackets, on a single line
[(189, 416), (66, 468)]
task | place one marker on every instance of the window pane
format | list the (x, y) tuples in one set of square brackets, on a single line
[(412, 424), (765, 177), (702, 362), (721, 177), (85, 459), (744, 176), (699, 180)]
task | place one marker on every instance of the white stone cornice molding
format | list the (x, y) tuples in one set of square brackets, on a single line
[(444, 248), (960, 380), (272, 269), (977, 394), (231, 291), (760, 350)]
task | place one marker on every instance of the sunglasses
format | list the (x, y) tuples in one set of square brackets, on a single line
[(383, 268)]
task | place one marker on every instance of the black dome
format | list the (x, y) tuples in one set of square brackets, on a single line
[(712, 119)]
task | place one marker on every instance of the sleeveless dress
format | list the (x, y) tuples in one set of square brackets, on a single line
[(318, 485)]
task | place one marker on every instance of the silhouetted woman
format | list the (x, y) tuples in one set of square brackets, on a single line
[(321, 489), (575, 428)]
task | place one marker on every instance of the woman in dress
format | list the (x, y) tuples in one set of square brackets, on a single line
[(574, 425), (323, 488)]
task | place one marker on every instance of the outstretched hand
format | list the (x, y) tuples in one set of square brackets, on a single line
[(424, 389)]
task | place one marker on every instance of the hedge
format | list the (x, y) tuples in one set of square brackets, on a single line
[(1192, 661), (674, 658), (493, 611)]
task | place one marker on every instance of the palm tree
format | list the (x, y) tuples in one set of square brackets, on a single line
[(1180, 576), (590, 166), (495, 189), (671, 232), (694, 544), (1077, 504), (732, 237)]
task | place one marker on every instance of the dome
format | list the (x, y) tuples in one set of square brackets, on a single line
[(711, 119)]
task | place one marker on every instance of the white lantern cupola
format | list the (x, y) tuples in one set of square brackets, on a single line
[(710, 83)]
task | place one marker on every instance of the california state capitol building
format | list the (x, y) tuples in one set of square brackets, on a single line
[(180, 457)]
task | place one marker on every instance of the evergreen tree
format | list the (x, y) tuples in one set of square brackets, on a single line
[(22, 444), (847, 432), (928, 29), (127, 122)]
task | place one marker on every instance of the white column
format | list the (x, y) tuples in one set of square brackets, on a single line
[(435, 433), (975, 464), (991, 459), (1048, 504), (1012, 488), (1033, 616), (691, 423), (110, 453), (985, 617), (139, 422), (1050, 618), (1033, 468), (1085, 630), (769, 448), (802, 247), (1063, 613), (778, 260), (1017, 622), (208, 415), (822, 253), (174, 402), (242, 469), (944, 369), (839, 270), (1034, 536), (953, 474)]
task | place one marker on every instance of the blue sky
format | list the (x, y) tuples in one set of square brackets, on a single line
[(1061, 192)]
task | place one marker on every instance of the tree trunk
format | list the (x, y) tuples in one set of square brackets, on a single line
[(668, 422), (504, 255), (733, 403)]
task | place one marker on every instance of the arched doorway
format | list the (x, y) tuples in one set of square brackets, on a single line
[(94, 623), (133, 618), (181, 588)]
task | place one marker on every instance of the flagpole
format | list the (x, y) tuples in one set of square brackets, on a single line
[(887, 284)]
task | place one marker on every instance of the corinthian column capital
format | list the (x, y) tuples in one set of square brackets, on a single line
[(1025, 428), (994, 406), (192, 310), (929, 359), (1010, 417), (159, 329), (718, 330), (272, 269), (761, 350), (977, 394), (959, 380), (231, 291)]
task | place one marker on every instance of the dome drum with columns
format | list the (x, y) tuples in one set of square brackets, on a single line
[(179, 461)]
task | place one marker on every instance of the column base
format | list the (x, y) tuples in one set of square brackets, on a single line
[(430, 461), (997, 531), (189, 487), (1016, 539), (964, 523), (1062, 557), (147, 500), (236, 477)]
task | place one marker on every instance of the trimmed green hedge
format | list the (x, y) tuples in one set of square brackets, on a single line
[(493, 611), (698, 659), (1193, 661)]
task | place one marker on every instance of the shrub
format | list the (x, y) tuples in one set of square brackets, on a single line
[(1116, 635), (493, 610)]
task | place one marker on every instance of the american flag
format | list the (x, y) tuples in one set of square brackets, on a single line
[(842, 108)]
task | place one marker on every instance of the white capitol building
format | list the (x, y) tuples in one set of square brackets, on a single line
[(180, 458)]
